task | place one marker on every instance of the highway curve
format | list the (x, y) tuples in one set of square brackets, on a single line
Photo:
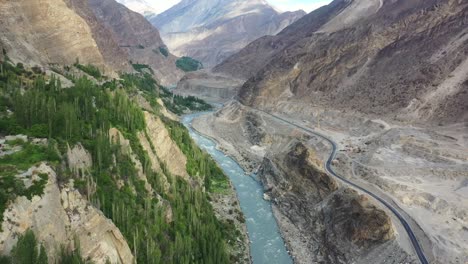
[(409, 231)]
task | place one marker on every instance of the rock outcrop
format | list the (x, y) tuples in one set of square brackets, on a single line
[(323, 222), (58, 217), (79, 160), (400, 59), (212, 30), (167, 150)]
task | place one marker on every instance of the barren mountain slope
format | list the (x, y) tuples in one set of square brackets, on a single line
[(106, 42), (38, 32), (211, 30), (401, 59), (106, 34), (137, 37)]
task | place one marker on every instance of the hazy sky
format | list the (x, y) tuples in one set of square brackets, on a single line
[(283, 5)]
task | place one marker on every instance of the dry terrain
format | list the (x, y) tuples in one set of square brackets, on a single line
[(422, 171)]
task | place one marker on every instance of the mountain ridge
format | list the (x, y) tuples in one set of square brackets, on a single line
[(329, 63), (201, 28)]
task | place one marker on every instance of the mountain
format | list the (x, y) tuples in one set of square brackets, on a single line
[(138, 38), (28, 36), (405, 60), (139, 6), (211, 30), (107, 35)]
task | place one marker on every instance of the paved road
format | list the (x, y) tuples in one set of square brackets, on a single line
[(409, 231)]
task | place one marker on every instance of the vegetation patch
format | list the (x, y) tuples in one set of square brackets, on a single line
[(199, 163), (164, 51), (188, 64), (90, 70), (180, 104), (141, 67), (30, 251), (11, 165)]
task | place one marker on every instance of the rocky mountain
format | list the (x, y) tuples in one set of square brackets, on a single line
[(139, 6), (212, 30), (405, 60), (138, 38), (107, 35), (28, 36)]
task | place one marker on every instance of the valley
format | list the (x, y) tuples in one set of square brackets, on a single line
[(219, 131), (265, 241), (256, 148)]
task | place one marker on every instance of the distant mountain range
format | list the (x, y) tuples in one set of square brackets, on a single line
[(140, 6), (212, 30)]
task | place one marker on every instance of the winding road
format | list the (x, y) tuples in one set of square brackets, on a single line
[(414, 241)]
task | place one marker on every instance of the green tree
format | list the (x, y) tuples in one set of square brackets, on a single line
[(27, 251), (42, 256)]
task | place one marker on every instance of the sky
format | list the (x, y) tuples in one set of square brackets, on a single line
[(283, 5)]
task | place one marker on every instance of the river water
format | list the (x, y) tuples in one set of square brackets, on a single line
[(266, 243)]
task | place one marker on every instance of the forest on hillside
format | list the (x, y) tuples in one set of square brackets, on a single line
[(36, 105)]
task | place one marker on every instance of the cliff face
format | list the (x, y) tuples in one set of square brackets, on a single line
[(326, 222), (39, 33), (212, 30), (400, 59), (105, 33), (108, 45)]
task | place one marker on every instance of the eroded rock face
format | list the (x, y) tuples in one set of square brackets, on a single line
[(400, 59), (321, 220), (57, 217), (38, 32), (166, 149), (79, 160), (212, 30)]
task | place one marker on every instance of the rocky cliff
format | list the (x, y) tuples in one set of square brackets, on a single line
[(212, 30), (325, 222), (39, 33), (400, 59)]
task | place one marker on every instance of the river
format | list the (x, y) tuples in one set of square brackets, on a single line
[(266, 243)]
